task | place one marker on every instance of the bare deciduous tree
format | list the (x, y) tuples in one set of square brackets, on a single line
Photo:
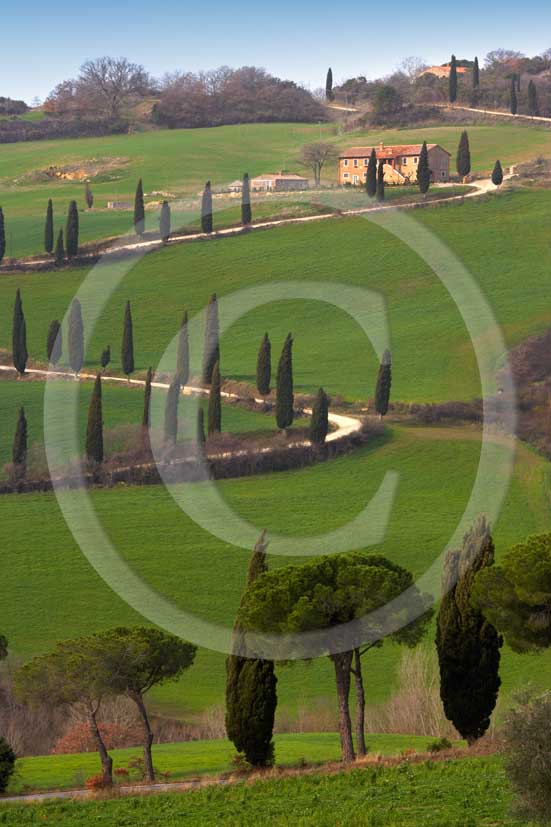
[(316, 155), (112, 82)]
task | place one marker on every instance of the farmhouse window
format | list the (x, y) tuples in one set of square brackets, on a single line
[(346, 162), (345, 175), (355, 162)]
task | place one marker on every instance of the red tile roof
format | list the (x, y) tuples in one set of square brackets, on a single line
[(387, 151)]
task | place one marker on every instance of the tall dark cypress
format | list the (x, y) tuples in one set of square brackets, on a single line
[(533, 103), (19, 450), (468, 646), (211, 351), (19, 336), (182, 357), (171, 412), (59, 253), (453, 80), (105, 357), (215, 403), (146, 417), (54, 343), (384, 382), (497, 174), (464, 155), (329, 85), (423, 170), (200, 426), (381, 182), (88, 195), (49, 228), (75, 337), (264, 366), (514, 99), (72, 230), (251, 688), (206, 209), (319, 423), (246, 212), (285, 390), (139, 210), (476, 74), (127, 348), (2, 236), (371, 176), (94, 428), (165, 221)]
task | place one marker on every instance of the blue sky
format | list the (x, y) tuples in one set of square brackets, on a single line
[(44, 43)]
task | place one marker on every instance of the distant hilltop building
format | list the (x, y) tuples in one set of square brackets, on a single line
[(443, 71), (400, 163)]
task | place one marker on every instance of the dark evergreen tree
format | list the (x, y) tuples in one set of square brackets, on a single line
[(371, 176), (514, 99), (319, 423), (423, 170), (19, 336), (329, 85), (146, 418), (211, 352), (2, 236), (251, 696), (476, 74), (72, 230), (453, 80), (19, 450), (264, 366), (171, 412), (49, 228), (381, 182), (59, 253), (533, 103), (105, 356), (246, 212), (94, 428), (75, 338), (127, 348), (468, 646), (165, 221), (215, 403), (285, 391), (54, 343), (206, 209), (139, 210), (88, 195), (497, 174), (182, 357), (464, 155), (384, 382), (201, 439)]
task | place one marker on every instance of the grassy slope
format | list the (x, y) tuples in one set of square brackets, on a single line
[(465, 793), (51, 591), (433, 359)]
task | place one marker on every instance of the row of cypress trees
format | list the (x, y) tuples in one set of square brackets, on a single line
[(532, 96), (66, 245)]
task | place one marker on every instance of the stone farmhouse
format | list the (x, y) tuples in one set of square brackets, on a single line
[(443, 71), (400, 163), (279, 182)]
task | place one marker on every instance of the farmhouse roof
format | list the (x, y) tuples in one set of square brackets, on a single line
[(383, 151)]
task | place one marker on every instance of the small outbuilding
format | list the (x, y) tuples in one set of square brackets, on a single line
[(279, 182)]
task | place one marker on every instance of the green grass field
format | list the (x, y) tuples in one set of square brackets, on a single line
[(461, 793)]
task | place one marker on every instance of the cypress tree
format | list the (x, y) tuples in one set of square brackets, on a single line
[(464, 155), (476, 74), (72, 230), (2, 236), (200, 426), (59, 254), (371, 177), (139, 210), (467, 645), (165, 221), (285, 393), (246, 212), (384, 382), (146, 418), (206, 209), (171, 412), (497, 174), (94, 428), (127, 348), (264, 366), (423, 170), (19, 336), (533, 103), (49, 228), (453, 80), (319, 424), (211, 352), (215, 403), (182, 357), (381, 182), (105, 356), (251, 684), (329, 85), (54, 343), (514, 99), (19, 450), (88, 195), (75, 339)]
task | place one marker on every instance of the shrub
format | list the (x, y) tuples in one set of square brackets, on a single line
[(95, 783), (7, 764), (439, 745)]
